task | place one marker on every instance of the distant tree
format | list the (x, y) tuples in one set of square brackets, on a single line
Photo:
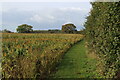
[(69, 28), (39, 31), (81, 31), (47, 31), (54, 31), (24, 28), (6, 31)]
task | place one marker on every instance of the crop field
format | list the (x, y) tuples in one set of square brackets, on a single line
[(34, 55)]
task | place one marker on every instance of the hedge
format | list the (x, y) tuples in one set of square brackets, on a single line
[(103, 34)]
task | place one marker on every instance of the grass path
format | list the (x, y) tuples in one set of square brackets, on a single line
[(76, 64)]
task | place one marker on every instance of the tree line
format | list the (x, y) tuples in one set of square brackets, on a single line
[(66, 28)]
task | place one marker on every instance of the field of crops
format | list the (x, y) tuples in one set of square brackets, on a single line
[(34, 55)]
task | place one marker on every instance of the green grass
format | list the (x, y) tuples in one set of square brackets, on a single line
[(76, 64)]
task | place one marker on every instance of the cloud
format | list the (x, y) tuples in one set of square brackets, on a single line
[(73, 9), (42, 18), (36, 18), (65, 14)]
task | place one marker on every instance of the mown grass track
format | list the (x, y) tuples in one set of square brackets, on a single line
[(76, 64)]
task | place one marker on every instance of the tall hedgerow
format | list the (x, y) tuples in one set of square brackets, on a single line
[(103, 34)]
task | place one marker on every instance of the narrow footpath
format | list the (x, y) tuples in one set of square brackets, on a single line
[(76, 64)]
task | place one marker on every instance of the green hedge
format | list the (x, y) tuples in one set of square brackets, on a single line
[(103, 34)]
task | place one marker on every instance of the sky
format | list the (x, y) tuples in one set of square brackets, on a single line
[(45, 0), (43, 15)]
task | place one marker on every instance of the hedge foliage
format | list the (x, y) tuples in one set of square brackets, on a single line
[(103, 34)]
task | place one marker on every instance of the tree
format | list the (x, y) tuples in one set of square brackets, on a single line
[(24, 28), (54, 31), (69, 28), (81, 31), (6, 31)]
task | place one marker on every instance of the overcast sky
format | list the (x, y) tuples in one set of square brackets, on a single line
[(43, 15)]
